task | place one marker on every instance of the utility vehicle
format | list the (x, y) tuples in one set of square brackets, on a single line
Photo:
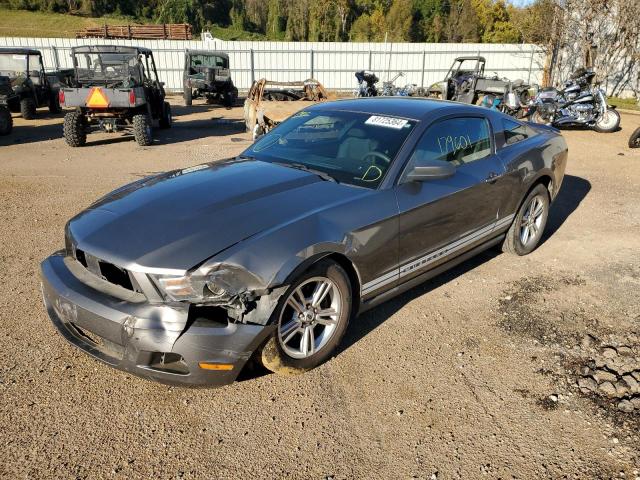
[(115, 89)]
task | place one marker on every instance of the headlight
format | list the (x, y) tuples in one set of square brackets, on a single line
[(214, 286)]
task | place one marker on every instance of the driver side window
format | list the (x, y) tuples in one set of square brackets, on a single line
[(457, 140)]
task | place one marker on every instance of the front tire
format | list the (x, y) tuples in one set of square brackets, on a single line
[(6, 121), (142, 130), (609, 122), (74, 129), (527, 228), (311, 319), (28, 108)]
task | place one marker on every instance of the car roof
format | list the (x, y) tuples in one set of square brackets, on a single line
[(415, 108), (20, 51), (110, 49), (207, 52)]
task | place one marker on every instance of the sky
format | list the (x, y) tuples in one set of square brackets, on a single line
[(521, 3)]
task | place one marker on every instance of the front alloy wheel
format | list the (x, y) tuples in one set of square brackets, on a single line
[(311, 318)]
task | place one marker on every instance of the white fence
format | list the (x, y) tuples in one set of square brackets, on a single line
[(332, 63)]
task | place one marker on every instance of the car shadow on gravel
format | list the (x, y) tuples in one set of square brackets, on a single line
[(572, 192), (369, 321)]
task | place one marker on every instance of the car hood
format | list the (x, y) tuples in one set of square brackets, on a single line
[(179, 219)]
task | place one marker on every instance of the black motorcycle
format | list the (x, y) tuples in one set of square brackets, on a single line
[(366, 84), (578, 104)]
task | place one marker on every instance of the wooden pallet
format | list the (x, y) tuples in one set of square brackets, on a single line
[(163, 31)]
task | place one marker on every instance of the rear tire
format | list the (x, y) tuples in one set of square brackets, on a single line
[(74, 129), (167, 119), (304, 339), (188, 97), (634, 140), (6, 121), (609, 122), (528, 226), (28, 108), (142, 130)]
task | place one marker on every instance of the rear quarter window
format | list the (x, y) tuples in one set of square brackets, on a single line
[(515, 132)]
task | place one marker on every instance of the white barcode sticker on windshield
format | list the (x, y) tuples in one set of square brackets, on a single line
[(389, 122)]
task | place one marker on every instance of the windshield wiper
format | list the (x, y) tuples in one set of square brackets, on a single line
[(303, 167)]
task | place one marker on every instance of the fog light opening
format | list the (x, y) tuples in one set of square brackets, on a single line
[(168, 362)]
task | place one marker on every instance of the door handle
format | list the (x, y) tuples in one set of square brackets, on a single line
[(492, 177)]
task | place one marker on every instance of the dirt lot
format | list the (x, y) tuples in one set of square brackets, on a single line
[(474, 374)]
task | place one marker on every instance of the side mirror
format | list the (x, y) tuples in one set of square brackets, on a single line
[(426, 170)]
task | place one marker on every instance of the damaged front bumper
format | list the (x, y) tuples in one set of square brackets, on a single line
[(161, 342)]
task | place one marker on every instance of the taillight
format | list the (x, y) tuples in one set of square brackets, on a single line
[(132, 98), (61, 97)]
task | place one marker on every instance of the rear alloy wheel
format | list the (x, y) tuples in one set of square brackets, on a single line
[(609, 122), (311, 319), (28, 108), (6, 122), (142, 130), (634, 140), (74, 129), (167, 119), (527, 228)]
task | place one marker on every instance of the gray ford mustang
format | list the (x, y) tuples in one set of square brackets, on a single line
[(183, 276)]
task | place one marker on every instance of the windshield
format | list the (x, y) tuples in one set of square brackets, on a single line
[(212, 61), (109, 69), (353, 148), (13, 65)]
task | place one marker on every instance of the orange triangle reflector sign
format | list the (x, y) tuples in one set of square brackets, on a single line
[(97, 98)]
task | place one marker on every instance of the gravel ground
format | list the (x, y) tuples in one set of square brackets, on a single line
[(502, 368)]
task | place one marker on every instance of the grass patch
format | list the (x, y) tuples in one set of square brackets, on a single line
[(23, 23), (625, 103)]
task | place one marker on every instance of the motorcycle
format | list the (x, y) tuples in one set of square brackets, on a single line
[(513, 102), (366, 84), (634, 140), (578, 104)]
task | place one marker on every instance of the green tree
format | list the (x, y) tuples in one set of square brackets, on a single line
[(180, 11), (276, 21)]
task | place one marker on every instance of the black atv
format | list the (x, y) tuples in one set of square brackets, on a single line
[(31, 88), (115, 89), (207, 74)]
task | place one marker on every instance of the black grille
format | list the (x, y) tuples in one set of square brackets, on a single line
[(81, 258), (116, 275), (110, 272)]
